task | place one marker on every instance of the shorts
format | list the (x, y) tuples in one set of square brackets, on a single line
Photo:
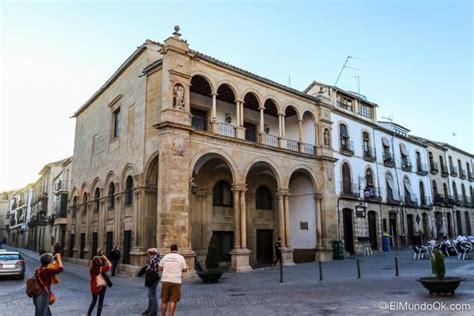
[(170, 292)]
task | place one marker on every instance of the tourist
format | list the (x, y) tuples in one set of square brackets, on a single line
[(114, 257), (152, 278), (43, 275), (277, 251), (172, 265), (100, 265)]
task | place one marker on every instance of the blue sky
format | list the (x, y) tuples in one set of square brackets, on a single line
[(417, 60)]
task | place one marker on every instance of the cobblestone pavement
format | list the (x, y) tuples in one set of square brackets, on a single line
[(259, 292)]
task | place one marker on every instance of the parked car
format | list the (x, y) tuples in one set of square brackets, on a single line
[(12, 264)]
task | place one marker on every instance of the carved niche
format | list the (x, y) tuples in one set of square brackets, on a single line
[(178, 96)]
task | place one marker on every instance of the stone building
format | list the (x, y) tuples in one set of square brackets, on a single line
[(177, 147), (42, 220), (4, 208), (18, 215)]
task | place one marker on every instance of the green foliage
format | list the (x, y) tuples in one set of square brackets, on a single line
[(212, 257), (437, 264)]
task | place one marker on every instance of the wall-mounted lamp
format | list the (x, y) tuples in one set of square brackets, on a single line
[(194, 188), (228, 118), (266, 128)]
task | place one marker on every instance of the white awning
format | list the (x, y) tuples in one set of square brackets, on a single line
[(385, 142)]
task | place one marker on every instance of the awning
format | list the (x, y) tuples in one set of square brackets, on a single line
[(403, 149), (385, 142), (407, 185)]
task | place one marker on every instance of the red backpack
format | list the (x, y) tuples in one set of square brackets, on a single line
[(33, 287)]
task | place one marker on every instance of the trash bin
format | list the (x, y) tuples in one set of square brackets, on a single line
[(337, 250), (386, 243)]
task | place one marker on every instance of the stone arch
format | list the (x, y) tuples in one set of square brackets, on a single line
[(217, 152), (253, 92), (111, 177), (263, 160), (151, 166), (272, 100), (290, 109), (228, 84), (309, 128), (97, 183), (206, 78), (128, 170), (301, 168)]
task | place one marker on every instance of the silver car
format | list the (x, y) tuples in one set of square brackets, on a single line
[(12, 264)]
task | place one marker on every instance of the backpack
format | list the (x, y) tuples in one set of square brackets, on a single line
[(33, 288)]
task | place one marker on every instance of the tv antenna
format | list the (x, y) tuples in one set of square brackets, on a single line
[(345, 66)]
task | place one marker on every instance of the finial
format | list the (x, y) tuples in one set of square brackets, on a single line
[(176, 31)]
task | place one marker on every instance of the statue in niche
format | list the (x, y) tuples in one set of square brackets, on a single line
[(178, 96), (327, 139)]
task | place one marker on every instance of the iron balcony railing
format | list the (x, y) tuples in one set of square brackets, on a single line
[(410, 201), (226, 129), (199, 123), (434, 167), (347, 147), (393, 198), (369, 153), (421, 169), (406, 164), (62, 186), (309, 149), (388, 160), (444, 170), (271, 140), (372, 193), (349, 190), (439, 199), (292, 145), (454, 171), (462, 174), (471, 176), (425, 202)]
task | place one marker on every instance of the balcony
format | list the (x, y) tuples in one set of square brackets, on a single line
[(439, 200), (309, 149), (388, 160), (449, 200), (444, 171), (425, 202), (372, 194), (434, 167), (225, 129), (421, 169), (199, 123), (406, 165), (454, 171), (471, 176), (347, 147), (462, 174), (393, 199), (292, 145), (369, 154), (410, 201), (270, 140), (62, 187), (349, 190)]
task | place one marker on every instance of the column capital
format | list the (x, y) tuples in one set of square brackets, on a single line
[(214, 94), (283, 192), (261, 107), (318, 196), (239, 187), (239, 101)]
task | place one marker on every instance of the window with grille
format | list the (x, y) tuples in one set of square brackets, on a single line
[(222, 195)]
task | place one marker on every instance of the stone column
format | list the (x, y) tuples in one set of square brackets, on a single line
[(287, 251), (281, 219), (287, 220), (240, 255), (281, 129), (214, 113), (140, 229), (239, 129), (102, 222), (300, 136), (243, 220), (319, 231), (237, 229), (118, 221), (261, 128)]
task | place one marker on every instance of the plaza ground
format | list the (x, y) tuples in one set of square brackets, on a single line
[(260, 293)]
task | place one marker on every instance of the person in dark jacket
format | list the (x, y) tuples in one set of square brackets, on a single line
[(151, 280), (277, 251), (114, 257)]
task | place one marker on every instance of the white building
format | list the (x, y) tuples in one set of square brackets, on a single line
[(18, 216)]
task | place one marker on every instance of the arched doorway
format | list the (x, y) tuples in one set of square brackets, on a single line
[(410, 225), (458, 223), (426, 232), (212, 208), (146, 233), (302, 207), (262, 209), (449, 223), (372, 221), (348, 230)]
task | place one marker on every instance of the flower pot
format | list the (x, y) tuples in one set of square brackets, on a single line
[(444, 286), (210, 276)]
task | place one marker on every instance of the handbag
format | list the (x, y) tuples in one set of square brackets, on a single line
[(100, 281)]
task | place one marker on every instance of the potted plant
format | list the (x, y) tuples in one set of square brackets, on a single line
[(213, 272), (439, 283)]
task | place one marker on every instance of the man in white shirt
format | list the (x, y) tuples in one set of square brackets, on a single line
[(172, 265)]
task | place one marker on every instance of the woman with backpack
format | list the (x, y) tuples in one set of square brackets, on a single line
[(43, 277), (100, 265)]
